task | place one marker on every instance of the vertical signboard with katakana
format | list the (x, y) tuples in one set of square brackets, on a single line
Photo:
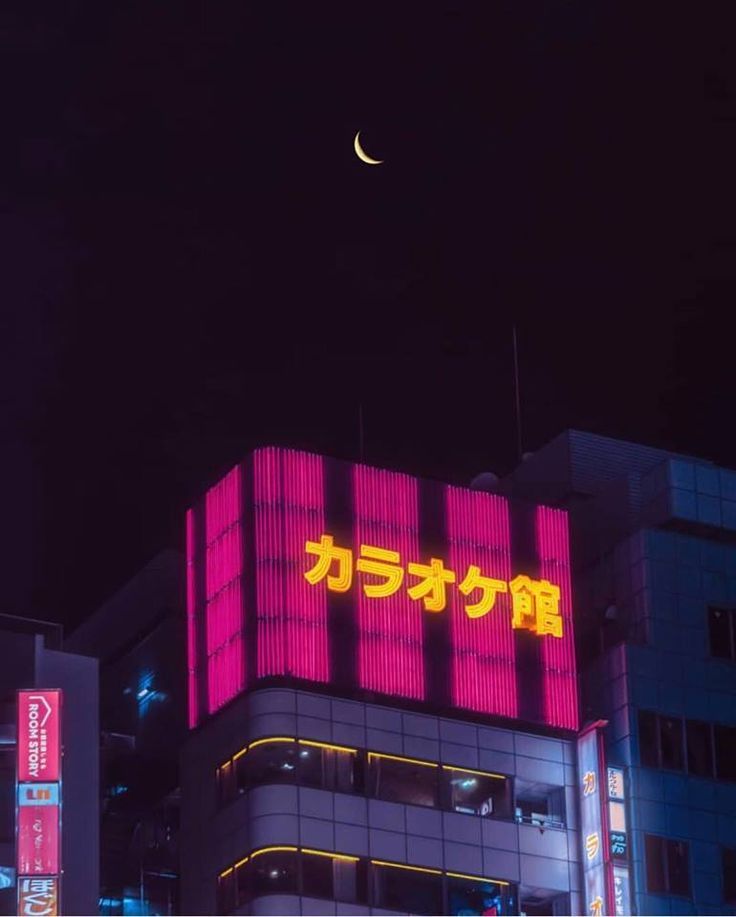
[(38, 802), (593, 798), (619, 841)]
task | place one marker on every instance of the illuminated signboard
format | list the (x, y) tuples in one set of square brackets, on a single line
[(618, 840), (39, 747), (592, 820), (38, 801), (303, 567), (38, 897)]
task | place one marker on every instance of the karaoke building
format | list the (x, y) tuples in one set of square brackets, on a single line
[(383, 703)]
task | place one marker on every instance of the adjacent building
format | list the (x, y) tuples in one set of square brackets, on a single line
[(654, 549), (383, 703)]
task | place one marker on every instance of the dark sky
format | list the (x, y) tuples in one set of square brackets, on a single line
[(194, 262)]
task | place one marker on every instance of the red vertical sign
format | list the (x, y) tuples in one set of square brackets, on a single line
[(39, 745), (38, 840)]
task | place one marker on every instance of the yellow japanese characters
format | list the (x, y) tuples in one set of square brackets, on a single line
[(535, 604)]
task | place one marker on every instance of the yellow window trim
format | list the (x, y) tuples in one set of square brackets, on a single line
[(335, 856), (242, 862), (433, 872), (378, 754), (226, 872), (272, 739), (461, 875), (469, 770), (327, 745), (257, 853), (240, 753)]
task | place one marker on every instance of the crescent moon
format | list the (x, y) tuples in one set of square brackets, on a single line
[(361, 153)]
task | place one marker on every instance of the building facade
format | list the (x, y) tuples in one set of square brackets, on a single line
[(654, 548), (382, 697)]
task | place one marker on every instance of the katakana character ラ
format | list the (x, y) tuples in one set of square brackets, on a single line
[(588, 783), (380, 562), (592, 845), (490, 588), (432, 588), (327, 553), (535, 606)]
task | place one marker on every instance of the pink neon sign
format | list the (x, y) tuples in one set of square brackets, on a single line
[(38, 840), (39, 739)]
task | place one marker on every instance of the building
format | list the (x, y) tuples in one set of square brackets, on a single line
[(138, 637), (654, 548), (48, 707), (382, 697)]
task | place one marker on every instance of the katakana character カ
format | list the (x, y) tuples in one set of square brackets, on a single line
[(588, 783), (432, 589), (327, 553), (535, 606), (596, 906), (592, 845), (380, 562), (490, 588)]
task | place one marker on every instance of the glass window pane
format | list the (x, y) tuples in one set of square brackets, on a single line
[(468, 896), (699, 750), (407, 890), (326, 768), (725, 742), (648, 747), (678, 867), (273, 873), (272, 762), (670, 737), (719, 632), (477, 794), (402, 781), (317, 876), (656, 880), (226, 902), (226, 786), (729, 874)]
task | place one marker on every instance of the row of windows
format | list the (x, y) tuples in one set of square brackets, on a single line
[(698, 748), (376, 883), (668, 868), (389, 777)]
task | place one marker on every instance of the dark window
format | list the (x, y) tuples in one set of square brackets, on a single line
[(728, 856), (670, 737), (226, 900), (474, 896), (668, 866), (699, 749), (272, 762), (720, 632), (409, 890), (326, 768), (402, 781), (725, 743), (329, 877), (477, 794), (648, 743), (226, 784), (273, 872), (242, 880)]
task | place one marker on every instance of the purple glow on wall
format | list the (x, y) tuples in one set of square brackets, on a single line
[(292, 615), (223, 590), (192, 681), (482, 660), (558, 655), (390, 629)]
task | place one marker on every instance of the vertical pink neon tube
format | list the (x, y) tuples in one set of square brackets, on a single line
[(390, 629), (558, 655), (223, 590), (191, 625), (292, 614), (482, 661)]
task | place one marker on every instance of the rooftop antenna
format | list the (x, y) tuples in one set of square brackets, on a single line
[(517, 395)]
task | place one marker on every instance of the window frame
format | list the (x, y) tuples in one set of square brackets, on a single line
[(663, 854)]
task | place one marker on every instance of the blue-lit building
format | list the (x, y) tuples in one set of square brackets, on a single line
[(654, 555)]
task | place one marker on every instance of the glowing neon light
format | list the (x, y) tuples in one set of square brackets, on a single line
[(433, 872), (343, 857), (267, 741), (328, 746), (257, 853), (226, 873), (535, 603), (192, 675), (461, 875), (241, 862), (240, 753), (469, 770), (378, 754)]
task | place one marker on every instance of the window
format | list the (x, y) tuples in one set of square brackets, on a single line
[(327, 768), (699, 749), (226, 892), (728, 864), (539, 805), (476, 896), (725, 744), (325, 876), (670, 738), (273, 872), (397, 888), (648, 743), (475, 793), (721, 632), (227, 787), (668, 866), (402, 780), (273, 761)]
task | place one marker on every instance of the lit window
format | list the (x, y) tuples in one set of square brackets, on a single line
[(477, 794), (273, 872), (476, 896), (402, 780), (267, 762), (326, 768)]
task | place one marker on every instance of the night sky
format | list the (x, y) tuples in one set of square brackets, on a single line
[(194, 262)]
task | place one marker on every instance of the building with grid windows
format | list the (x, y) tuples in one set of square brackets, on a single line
[(383, 705)]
